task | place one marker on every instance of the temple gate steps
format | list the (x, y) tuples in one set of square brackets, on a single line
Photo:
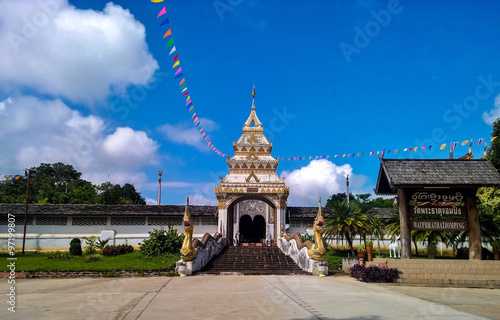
[(252, 260)]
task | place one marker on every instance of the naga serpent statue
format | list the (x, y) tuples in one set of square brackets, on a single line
[(188, 252), (316, 250)]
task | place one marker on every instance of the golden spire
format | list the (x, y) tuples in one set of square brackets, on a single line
[(451, 149), (320, 213), (253, 96)]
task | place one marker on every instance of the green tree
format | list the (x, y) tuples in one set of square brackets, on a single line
[(493, 154), (345, 220), (59, 183)]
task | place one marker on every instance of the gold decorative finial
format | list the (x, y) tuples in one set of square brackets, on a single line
[(451, 149), (253, 97), (485, 148)]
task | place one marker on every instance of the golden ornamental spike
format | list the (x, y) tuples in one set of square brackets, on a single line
[(253, 90)]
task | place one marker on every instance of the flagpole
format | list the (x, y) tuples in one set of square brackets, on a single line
[(347, 184), (159, 186)]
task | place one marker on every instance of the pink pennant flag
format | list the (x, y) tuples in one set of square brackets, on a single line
[(178, 70), (188, 102), (327, 157), (162, 12), (423, 148)]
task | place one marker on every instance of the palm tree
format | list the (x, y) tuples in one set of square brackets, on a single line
[(345, 220), (377, 229)]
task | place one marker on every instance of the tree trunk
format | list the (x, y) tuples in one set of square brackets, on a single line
[(416, 249), (405, 225), (349, 241)]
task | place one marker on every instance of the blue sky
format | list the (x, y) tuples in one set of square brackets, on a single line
[(91, 84)]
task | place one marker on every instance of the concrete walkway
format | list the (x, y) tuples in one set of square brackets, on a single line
[(243, 297)]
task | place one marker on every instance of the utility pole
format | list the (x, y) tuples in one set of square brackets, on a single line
[(159, 186), (29, 173)]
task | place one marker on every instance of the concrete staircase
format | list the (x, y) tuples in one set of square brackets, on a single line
[(252, 260)]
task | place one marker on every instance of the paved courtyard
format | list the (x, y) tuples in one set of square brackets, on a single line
[(243, 297)]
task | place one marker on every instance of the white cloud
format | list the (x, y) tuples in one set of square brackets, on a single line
[(82, 55), (320, 178), (35, 131), (490, 117), (186, 133), (151, 201), (127, 147), (199, 199)]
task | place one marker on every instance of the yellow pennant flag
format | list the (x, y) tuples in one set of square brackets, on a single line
[(465, 142), (17, 177), (443, 146), (176, 64), (156, 1), (189, 97), (416, 149), (493, 138), (6, 176)]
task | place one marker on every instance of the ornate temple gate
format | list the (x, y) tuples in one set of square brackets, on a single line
[(252, 176), (429, 189)]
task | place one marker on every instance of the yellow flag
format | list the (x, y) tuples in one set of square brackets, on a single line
[(493, 138), (17, 177), (465, 142), (156, 1), (443, 146), (176, 64), (6, 176)]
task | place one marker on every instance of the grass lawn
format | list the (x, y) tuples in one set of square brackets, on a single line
[(134, 261)]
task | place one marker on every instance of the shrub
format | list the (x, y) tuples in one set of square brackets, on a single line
[(91, 245), (361, 248), (463, 253), (374, 273), (75, 247), (369, 243), (162, 241), (93, 257), (306, 237), (496, 244), (117, 250)]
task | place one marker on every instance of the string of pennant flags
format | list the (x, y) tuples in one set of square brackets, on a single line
[(176, 63), (452, 145), (168, 37)]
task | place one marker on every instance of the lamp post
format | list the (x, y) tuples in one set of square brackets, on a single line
[(159, 186), (31, 173)]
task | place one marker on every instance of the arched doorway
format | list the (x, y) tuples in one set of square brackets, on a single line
[(245, 228), (258, 229), (252, 231)]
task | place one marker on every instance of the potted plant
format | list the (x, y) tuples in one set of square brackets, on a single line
[(369, 250), (496, 249), (361, 253), (431, 249)]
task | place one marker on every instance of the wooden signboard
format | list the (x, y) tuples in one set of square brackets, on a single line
[(443, 225), (437, 203), (252, 189)]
